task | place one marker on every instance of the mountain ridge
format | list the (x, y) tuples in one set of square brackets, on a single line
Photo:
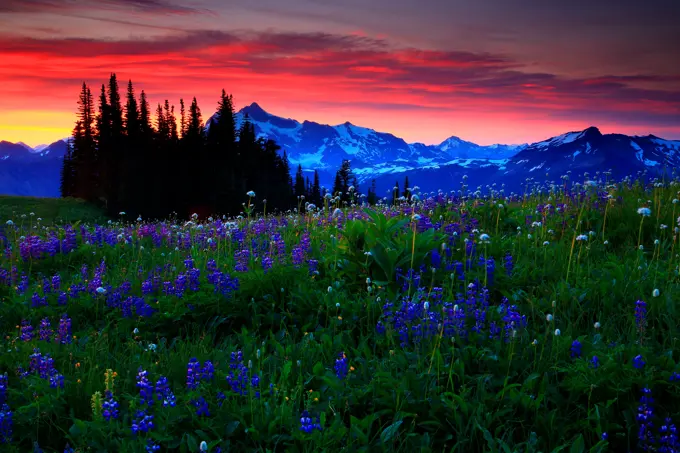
[(386, 157)]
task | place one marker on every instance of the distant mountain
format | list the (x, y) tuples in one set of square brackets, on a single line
[(388, 159), (27, 171)]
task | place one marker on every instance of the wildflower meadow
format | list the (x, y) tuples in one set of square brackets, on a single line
[(445, 322)]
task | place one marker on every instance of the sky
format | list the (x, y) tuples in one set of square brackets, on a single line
[(488, 71)]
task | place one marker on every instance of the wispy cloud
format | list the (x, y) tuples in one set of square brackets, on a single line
[(67, 6), (346, 71)]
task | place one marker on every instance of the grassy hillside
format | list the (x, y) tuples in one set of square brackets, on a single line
[(443, 324), (50, 210)]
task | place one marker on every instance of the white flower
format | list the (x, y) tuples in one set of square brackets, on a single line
[(337, 213), (655, 293), (606, 242), (416, 217), (330, 289), (10, 223), (581, 237), (485, 238), (426, 305), (549, 317), (645, 212), (203, 447), (535, 342), (558, 332), (136, 331), (597, 325), (546, 243), (100, 290)]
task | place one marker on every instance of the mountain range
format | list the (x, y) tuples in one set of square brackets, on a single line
[(388, 159)]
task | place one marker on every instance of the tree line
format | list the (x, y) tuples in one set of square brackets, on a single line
[(118, 159)]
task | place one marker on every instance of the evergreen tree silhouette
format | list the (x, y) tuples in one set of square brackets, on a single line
[(118, 158), (407, 190), (66, 182), (116, 155), (83, 158), (316, 190), (102, 170), (221, 152), (192, 163), (299, 182)]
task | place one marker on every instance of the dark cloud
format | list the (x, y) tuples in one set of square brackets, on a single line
[(70, 6)]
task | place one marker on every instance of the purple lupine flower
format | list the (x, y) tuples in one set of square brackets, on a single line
[(142, 422), (64, 332), (575, 349), (145, 387), (644, 418), (641, 315), (267, 263), (668, 437), (45, 332), (201, 407), (313, 266), (164, 393), (3, 388), (5, 424), (341, 366), (193, 373), (109, 406), (208, 371), (26, 331), (638, 362), (674, 377), (306, 423), (595, 362), (151, 446)]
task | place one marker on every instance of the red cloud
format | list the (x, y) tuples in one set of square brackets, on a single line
[(321, 68)]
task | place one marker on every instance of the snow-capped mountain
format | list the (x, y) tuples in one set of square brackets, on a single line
[(388, 159), (324, 147), (28, 171)]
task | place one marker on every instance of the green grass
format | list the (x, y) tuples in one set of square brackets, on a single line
[(504, 382), (50, 210)]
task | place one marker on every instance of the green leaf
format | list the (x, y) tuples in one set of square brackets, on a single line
[(231, 427), (391, 431), (578, 446), (191, 443)]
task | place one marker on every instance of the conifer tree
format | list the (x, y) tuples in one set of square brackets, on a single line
[(221, 151), (407, 191), (316, 190), (299, 182)]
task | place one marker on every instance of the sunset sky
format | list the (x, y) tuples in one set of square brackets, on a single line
[(488, 71)]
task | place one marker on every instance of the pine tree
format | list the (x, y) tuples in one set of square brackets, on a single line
[(66, 186), (131, 180), (104, 146), (221, 151), (183, 117), (372, 197), (406, 188), (299, 182), (395, 193), (83, 158), (316, 190), (191, 169)]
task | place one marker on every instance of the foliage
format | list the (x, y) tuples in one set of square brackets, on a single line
[(537, 323)]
